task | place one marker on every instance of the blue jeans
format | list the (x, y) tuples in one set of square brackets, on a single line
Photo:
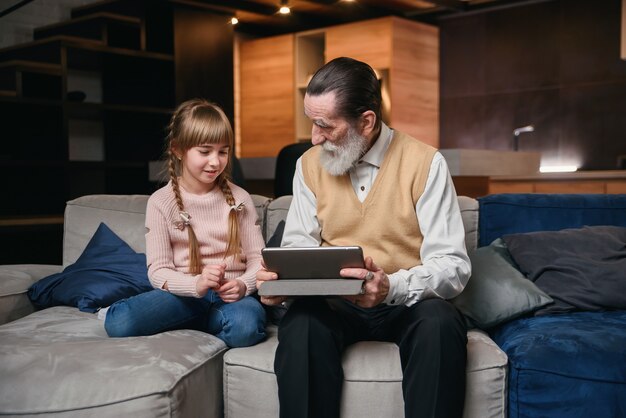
[(238, 324)]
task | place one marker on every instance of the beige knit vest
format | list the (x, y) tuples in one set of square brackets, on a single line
[(385, 225)]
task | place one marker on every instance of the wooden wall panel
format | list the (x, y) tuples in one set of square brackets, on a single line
[(520, 48), (511, 187), (203, 54), (593, 123), (414, 80), (552, 64), (570, 187), (505, 112), (463, 47), (267, 95), (589, 44), (616, 187), (368, 41)]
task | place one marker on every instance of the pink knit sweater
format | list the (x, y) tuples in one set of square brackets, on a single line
[(167, 248)]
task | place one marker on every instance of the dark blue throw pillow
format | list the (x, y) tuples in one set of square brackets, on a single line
[(108, 270)]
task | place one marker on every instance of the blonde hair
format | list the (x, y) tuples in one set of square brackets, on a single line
[(194, 123)]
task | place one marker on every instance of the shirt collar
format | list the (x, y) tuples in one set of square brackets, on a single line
[(376, 154)]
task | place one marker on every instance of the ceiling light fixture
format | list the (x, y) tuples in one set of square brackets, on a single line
[(234, 21), (284, 8)]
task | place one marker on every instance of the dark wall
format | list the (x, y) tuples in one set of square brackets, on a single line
[(553, 64), (203, 45)]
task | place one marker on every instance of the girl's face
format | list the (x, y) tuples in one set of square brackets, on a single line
[(202, 165)]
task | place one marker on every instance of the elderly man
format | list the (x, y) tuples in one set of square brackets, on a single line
[(366, 184)]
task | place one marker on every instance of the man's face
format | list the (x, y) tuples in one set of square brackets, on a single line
[(342, 145)]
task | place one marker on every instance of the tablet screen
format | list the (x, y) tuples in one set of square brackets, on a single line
[(312, 262)]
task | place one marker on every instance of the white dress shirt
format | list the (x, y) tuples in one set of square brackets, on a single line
[(445, 267)]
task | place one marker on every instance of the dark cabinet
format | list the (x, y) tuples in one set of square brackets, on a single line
[(84, 108)]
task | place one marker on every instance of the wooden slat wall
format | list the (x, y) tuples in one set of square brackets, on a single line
[(267, 96), (368, 41), (414, 80)]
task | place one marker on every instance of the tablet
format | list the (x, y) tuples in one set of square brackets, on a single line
[(311, 262), (308, 271)]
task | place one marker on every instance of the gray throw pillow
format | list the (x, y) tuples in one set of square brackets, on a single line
[(582, 269), (497, 292)]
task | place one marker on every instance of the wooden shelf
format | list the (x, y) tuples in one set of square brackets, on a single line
[(32, 220), (31, 66), (48, 50), (115, 31)]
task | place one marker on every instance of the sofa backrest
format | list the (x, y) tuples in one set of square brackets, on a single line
[(277, 209), (125, 215), (502, 214)]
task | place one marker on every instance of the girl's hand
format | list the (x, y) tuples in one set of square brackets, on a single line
[(232, 290), (210, 278)]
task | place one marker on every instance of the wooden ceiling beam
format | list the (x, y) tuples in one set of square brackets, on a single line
[(456, 5)]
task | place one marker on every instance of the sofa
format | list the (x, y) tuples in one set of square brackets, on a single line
[(58, 360)]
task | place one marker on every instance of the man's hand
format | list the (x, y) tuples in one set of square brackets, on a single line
[(232, 290), (210, 278), (376, 285), (263, 276)]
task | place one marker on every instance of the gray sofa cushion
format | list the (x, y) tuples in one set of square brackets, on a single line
[(373, 380), (60, 360), (15, 279)]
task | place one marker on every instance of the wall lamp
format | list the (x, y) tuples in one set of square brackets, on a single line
[(517, 132)]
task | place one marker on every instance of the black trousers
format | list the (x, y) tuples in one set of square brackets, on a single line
[(314, 332)]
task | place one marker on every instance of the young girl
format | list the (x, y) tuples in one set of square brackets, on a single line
[(203, 246)]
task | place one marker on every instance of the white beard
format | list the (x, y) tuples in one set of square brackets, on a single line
[(337, 159)]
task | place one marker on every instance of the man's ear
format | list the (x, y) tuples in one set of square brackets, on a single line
[(368, 123)]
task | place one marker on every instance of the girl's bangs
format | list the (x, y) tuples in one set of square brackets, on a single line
[(205, 127)]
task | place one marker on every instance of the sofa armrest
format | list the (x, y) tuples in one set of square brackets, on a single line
[(15, 279)]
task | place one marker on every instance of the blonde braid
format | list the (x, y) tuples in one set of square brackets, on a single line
[(195, 264), (234, 240)]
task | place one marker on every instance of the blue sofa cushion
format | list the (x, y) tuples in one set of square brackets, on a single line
[(580, 268), (502, 214), (564, 366), (108, 270)]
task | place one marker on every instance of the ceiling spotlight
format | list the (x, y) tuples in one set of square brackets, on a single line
[(234, 21), (284, 9)]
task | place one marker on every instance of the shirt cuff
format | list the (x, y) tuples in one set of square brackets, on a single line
[(398, 290)]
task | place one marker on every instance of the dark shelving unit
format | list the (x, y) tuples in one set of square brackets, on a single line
[(84, 108)]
